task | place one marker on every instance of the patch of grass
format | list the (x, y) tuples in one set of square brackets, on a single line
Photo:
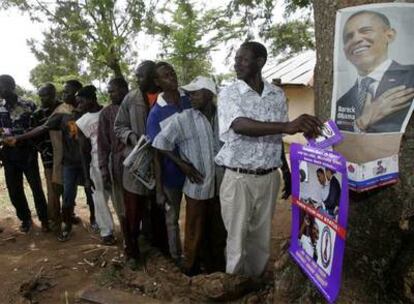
[(109, 276)]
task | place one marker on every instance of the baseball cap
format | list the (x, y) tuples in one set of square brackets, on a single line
[(201, 82)]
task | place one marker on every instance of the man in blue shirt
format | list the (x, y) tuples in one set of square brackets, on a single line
[(170, 179)]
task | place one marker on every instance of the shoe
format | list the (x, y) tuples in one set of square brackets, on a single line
[(25, 226), (64, 235), (178, 262), (134, 264), (108, 240), (94, 227), (75, 219), (54, 226), (45, 227)]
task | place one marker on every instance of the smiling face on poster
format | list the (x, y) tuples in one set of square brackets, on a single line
[(373, 68), (319, 215), (373, 91)]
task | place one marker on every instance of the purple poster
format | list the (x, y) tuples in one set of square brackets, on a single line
[(319, 215), (330, 135)]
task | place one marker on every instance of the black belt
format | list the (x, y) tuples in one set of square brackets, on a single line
[(253, 172)]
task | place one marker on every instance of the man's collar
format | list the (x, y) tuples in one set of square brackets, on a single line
[(243, 87), (378, 72), (161, 101)]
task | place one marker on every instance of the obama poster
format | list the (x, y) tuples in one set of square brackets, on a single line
[(373, 91)]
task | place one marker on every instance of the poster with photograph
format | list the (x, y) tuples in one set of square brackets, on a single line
[(330, 135), (319, 215), (373, 80)]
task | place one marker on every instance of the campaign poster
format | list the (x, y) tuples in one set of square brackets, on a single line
[(372, 98), (329, 136), (319, 215)]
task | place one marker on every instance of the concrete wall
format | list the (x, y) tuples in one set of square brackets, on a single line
[(300, 101)]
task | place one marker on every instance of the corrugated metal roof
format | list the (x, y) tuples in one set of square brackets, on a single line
[(296, 70)]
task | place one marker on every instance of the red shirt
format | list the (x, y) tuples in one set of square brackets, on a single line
[(152, 98)]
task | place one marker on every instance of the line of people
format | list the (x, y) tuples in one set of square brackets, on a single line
[(223, 158)]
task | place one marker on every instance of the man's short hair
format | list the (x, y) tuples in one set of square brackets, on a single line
[(330, 170), (88, 92), (383, 18), (8, 81), (119, 82), (320, 170), (144, 63), (258, 49), (160, 64), (48, 87), (74, 84)]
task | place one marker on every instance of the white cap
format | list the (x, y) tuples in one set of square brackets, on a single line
[(201, 82)]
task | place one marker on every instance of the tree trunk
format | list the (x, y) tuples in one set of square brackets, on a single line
[(379, 256), (113, 63)]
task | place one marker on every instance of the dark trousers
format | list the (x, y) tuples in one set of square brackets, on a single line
[(159, 236), (13, 171), (134, 211), (72, 177), (205, 236)]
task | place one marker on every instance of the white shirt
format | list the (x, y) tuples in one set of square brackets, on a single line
[(377, 75), (324, 192), (88, 124), (306, 244), (240, 151)]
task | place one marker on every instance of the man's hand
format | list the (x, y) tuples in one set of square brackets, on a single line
[(287, 189), (160, 198), (391, 101), (132, 138), (89, 185), (192, 173), (10, 141), (307, 220), (308, 124)]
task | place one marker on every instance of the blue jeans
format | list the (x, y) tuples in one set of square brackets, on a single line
[(72, 177)]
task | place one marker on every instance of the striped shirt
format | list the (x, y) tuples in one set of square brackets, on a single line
[(193, 134)]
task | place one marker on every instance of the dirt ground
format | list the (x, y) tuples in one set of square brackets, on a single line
[(36, 268)]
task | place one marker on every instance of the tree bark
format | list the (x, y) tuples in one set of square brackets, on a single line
[(113, 63), (379, 255)]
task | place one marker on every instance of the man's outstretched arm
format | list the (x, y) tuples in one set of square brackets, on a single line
[(305, 123)]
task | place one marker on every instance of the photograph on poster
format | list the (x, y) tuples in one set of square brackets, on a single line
[(373, 68), (326, 133), (319, 215), (330, 135), (317, 240), (321, 188)]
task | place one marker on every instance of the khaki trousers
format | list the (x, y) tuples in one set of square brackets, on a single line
[(53, 195), (247, 205)]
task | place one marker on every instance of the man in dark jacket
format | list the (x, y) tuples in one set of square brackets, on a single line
[(332, 201)]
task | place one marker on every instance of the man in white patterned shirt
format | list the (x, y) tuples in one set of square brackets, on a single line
[(252, 118), (195, 133)]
